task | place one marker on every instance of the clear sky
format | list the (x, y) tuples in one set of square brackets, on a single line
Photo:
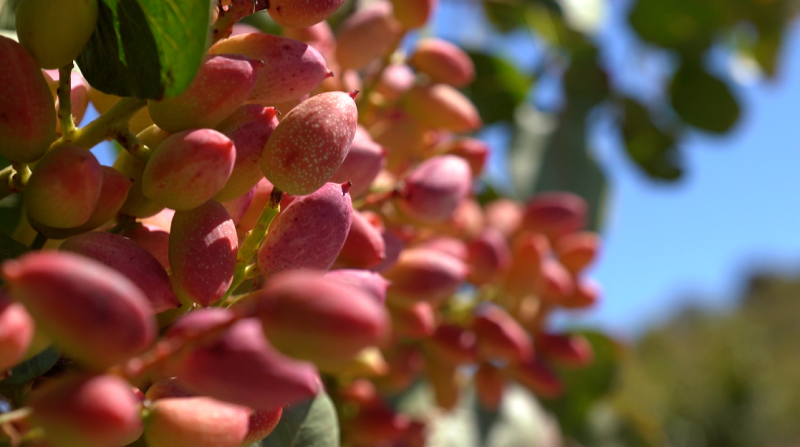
[(736, 210), (666, 245)]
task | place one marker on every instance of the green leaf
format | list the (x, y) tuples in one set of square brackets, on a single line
[(32, 368), (688, 25), (648, 146), (146, 48), (584, 387), (10, 249), (498, 88), (505, 17), (703, 100), (567, 165), (310, 424), (585, 83)]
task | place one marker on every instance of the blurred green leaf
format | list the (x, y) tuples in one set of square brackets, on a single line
[(648, 146), (10, 249), (498, 88), (702, 100), (688, 25), (309, 424), (32, 368), (146, 48), (585, 83), (584, 387), (505, 17), (7, 12)]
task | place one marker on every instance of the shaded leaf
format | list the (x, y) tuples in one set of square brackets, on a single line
[(10, 249), (649, 147), (585, 83), (309, 424), (685, 24), (32, 368), (702, 100), (505, 17), (498, 88), (146, 48), (584, 387)]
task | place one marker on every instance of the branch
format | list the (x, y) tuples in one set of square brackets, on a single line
[(105, 126), (65, 101), (238, 10)]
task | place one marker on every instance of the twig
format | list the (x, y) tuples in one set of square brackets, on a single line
[(252, 241), (65, 102), (238, 10), (38, 241), (132, 144), (104, 126), (20, 177)]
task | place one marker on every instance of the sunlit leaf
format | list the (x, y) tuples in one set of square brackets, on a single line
[(146, 48)]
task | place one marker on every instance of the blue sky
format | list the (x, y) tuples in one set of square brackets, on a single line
[(736, 211)]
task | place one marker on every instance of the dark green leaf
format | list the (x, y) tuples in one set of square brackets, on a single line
[(498, 88), (32, 368), (310, 424), (585, 83), (585, 386), (9, 248), (505, 17), (688, 25), (703, 100), (146, 48), (649, 147), (566, 165)]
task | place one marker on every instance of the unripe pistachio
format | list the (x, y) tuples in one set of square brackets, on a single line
[(128, 258), (189, 168), (53, 41), (368, 282), (489, 386), (537, 377), (153, 239), (443, 107), (293, 69), (364, 247), (223, 83), (310, 143), (16, 332), (365, 35), (414, 13), (87, 411), (95, 313), (555, 214), (202, 252), (435, 188), (443, 62), (424, 275), (27, 117), (363, 162), (586, 294), (489, 256), (375, 424), (249, 128), (447, 245), (565, 349), (63, 189), (313, 318), (395, 80), (452, 345), (265, 378), (309, 233), (576, 251), (113, 193), (475, 151), (504, 215), (319, 36), (416, 321), (301, 13), (196, 421), (500, 336)]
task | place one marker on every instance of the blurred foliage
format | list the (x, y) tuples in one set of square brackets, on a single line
[(692, 94), (721, 380)]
